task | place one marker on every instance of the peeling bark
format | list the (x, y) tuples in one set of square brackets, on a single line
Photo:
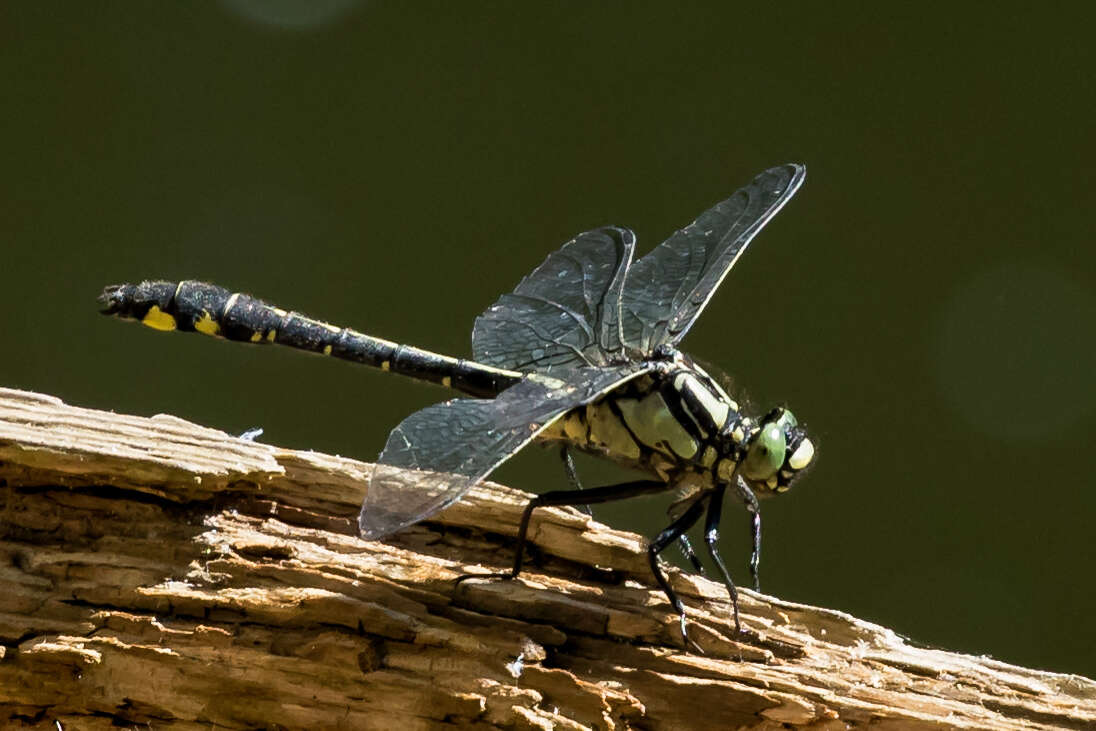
[(157, 572)]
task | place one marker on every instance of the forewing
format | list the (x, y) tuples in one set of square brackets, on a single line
[(566, 313), (668, 288), (453, 445)]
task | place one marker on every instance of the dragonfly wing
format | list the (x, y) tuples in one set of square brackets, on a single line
[(669, 287), (451, 446), (566, 313)]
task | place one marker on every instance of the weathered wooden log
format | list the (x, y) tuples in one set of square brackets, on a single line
[(157, 572)]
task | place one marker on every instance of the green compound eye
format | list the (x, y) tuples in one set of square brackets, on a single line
[(766, 454), (786, 421)]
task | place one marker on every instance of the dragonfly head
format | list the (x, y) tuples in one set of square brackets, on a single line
[(776, 450)]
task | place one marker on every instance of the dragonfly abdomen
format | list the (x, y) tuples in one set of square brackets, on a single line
[(211, 310)]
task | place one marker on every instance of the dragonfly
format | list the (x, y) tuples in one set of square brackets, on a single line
[(582, 354)]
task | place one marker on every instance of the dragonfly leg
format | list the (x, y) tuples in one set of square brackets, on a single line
[(606, 494), (711, 538), (559, 498), (572, 477), (746, 495), (668, 535), (687, 551), (572, 474)]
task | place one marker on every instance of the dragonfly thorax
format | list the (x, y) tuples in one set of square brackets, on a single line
[(677, 420), (768, 454)]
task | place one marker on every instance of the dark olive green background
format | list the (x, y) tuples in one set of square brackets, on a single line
[(926, 304)]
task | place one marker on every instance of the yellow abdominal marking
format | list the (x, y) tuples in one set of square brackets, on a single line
[(385, 365), (271, 335), (157, 319), (446, 381), (207, 325), (327, 350), (256, 336)]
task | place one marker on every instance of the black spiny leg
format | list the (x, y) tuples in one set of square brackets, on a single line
[(606, 494), (711, 538), (670, 534), (746, 495), (687, 551), (572, 477), (572, 474), (560, 498)]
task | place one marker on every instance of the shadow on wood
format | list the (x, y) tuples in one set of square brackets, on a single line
[(157, 572)]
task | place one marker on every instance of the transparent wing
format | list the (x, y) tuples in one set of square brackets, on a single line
[(668, 288), (457, 443), (566, 313)]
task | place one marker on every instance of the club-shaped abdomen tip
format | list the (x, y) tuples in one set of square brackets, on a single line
[(145, 302), (113, 299)]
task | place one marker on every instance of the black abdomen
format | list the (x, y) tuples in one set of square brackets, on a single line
[(213, 310)]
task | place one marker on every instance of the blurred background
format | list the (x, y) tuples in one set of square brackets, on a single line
[(926, 304)]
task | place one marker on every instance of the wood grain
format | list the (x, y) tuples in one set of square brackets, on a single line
[(160, 573)]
